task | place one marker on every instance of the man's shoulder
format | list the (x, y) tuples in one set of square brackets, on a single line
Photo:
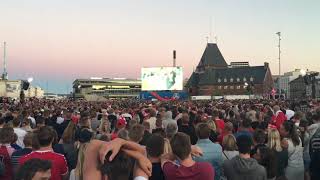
[(261, 170), (203, 165), (19, 130), (230, 162), (21, 152), (27, 157)]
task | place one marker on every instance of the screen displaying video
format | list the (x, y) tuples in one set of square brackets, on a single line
[(162, 78)]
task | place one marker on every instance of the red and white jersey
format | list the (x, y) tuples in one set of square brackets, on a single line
[(59, 163)]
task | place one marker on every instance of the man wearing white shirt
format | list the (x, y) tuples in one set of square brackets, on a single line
[(152, 120), (19, 132)]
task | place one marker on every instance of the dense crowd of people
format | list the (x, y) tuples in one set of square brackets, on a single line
[(173, 140)]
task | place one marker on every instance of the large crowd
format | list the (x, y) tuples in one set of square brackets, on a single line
[(173, 140)]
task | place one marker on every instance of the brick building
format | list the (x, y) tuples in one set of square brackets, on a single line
[(213, 77)]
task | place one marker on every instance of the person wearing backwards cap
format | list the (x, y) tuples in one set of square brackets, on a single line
[(121, 123)]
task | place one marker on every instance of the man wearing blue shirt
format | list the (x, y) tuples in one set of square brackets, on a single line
[(212, 152)]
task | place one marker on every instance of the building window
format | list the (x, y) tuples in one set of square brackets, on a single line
[(244, 79), (238, 79), (231, 87), (219, 80), (251, 79), (225, 87), (225, 80), (238, 87), (244, 87), (231, 79), (219, 87)]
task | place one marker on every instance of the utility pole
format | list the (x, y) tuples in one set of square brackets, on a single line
[(279, 35), (5, 74), (174, 58)]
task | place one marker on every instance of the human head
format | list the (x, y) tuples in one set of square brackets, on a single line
[(215, 114), (246, 123), (267, 158), (228, 127), (7, 135), (68, 135), (298, 116), (259, 137), (229, 143), (171, 130), (181, 145), (152, 112), (244, 143), (28, 138), (185, 118), (212, 125), (85, 135), (316, 116), (35, 169), (16, 123), (155, 146), (289, 130), (85, 122), (146, 125), (121, 123), (203, 131), (40, 121), (136, 133), (132, 123), (159, 122), (119, 168), (274, 140), (123, 134), (276, 108), (303, 125), (45, 136)]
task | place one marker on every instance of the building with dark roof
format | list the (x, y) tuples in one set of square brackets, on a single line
[(214, 77)]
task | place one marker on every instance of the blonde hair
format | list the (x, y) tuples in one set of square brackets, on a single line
[(68, 135), (229, 143), (167, 146), (212, 125), (274, 140), (102, 127), (79, 168)]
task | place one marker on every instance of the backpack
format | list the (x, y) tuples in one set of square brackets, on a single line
[(315, 151)]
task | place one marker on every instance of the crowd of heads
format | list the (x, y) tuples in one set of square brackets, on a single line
[(264, 131)]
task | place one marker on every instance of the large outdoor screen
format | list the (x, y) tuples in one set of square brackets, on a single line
[(162, 78)]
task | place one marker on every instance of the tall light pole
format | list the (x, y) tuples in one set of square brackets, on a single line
[(279, 35), (5, 73)]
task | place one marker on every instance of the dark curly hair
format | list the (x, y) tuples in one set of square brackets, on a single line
[(292, 132), (30, 167)]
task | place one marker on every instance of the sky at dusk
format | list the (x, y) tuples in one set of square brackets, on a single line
[(59, 41)]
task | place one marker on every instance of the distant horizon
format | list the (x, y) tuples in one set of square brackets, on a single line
[(60, 41)]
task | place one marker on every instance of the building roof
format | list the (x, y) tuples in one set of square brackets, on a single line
[(212, 57), (255, 74)]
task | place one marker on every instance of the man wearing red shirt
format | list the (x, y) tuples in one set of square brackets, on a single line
[(219, 122), (180, 165), (279, 117), (45, 137)]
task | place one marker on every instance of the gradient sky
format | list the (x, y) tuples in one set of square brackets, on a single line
[(61, 40)]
